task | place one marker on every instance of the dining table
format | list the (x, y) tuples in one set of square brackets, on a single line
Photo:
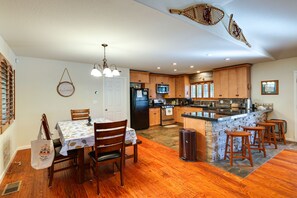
[(78, 134)]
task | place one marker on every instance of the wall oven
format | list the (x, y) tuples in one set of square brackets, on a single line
[(167, 115)]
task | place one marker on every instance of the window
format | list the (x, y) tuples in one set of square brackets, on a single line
[(7, 76), (193, 91), (203, 90)]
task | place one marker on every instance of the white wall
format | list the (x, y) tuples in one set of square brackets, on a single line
[(36, 83), (283, 104), (8, 142)]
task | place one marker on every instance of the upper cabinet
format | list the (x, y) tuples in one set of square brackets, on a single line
[(152, 86), (139, 77), (232, 82), (220, 79), (162, 79), (182, 86), (171, 82)]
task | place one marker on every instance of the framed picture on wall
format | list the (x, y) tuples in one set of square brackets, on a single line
[(269, 87)]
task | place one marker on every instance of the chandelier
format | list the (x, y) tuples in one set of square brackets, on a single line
[(106, 71)]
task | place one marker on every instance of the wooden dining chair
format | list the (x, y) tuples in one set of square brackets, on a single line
[(48, 135), (109, 147), (80, 114), (72, 154)]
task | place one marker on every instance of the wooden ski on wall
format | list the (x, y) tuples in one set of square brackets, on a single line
[(201, 13), (236, 32)]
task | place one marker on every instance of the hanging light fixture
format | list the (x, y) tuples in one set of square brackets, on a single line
[(106, 71)]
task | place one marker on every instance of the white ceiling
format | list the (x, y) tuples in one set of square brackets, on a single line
[(143, 35)]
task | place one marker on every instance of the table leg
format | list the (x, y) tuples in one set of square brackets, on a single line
[(81, 165)]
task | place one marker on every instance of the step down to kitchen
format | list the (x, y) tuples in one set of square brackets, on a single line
[(11, 188)]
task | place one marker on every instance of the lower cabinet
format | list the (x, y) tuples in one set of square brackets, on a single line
[(178, 111), (155, 118)]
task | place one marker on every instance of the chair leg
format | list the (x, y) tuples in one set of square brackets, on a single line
[(226, 147), (135, 153), (231, 151), (274, 137), (243, 148), (249, 150), (283, 132), (261, 141), (51, 175), (121, 171), (97, 179)]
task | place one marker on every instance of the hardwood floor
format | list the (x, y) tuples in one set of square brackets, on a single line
[(160, 173)]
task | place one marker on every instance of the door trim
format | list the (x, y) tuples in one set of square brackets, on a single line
[(295, 103)]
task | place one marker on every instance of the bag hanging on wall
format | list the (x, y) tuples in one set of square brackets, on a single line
[(42, 152)]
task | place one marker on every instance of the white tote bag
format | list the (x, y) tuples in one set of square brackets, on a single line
[(42, 152)]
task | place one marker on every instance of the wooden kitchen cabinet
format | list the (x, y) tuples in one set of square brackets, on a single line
[(155, 118), (182, 86), (162, 79), (139, 77), (152, 86), (239, 82), (232, 82), (171, 82), (178, 111), (220, 79)]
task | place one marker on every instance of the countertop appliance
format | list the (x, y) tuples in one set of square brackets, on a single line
[(139, 105), (162, 88)]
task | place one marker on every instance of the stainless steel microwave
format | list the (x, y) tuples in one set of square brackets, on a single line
[(162, 88)]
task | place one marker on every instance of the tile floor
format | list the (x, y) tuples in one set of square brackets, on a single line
[(169, 136)]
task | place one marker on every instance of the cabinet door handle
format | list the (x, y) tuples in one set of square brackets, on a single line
[(248, 86)]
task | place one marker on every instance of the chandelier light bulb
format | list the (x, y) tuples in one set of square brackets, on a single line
[(116, 72)]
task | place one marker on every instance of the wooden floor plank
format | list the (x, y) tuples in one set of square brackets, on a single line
[(159, 173)]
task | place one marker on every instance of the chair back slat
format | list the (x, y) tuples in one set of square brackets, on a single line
[(109, 148), (80, 114), (45, 127), (108, 133), (109, 136), (111, 140)]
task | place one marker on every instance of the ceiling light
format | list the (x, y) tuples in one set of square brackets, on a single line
[(95, 72), (158, 67), (174, 64), (107, 72), (198, 72), (192, 66), (175, 70), (227, 59)]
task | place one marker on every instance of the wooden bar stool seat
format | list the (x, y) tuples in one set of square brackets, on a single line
[(281, 128), (245, 145), (258, 143), (269, 136)]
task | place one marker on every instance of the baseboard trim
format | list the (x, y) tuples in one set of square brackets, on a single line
[(11, 160), (290, 139), (8, 165)]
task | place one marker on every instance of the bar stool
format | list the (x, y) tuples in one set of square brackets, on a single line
[(258, 137), (269, 136), (281, 128), (245, 145)]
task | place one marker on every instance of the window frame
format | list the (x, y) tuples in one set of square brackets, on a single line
[(7, 91), (202, 84)]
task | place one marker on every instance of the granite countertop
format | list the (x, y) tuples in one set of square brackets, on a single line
[(221, 114)]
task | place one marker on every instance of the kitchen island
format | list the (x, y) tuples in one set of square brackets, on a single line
[(211, 126)]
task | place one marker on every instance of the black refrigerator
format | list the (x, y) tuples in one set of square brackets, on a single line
[(139, 105)]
